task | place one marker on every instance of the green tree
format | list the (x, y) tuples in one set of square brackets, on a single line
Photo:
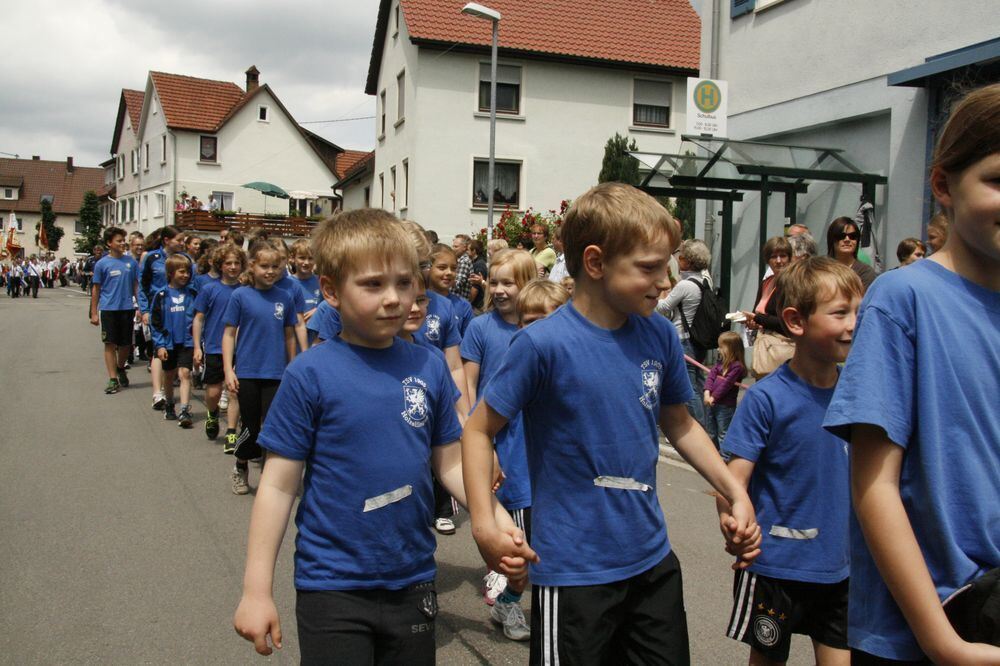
[(52, 231), (618, 165), (90, 220), (684, 213)]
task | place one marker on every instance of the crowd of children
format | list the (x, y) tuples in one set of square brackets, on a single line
[(855, 499)]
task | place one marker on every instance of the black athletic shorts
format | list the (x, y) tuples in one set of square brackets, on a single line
[(639, 620), (367, 626), (767, 611), (116, 327), (179, 357), (214, 372)]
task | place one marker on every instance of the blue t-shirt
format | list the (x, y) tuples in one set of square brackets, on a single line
[(325, 322), (925, 367), (201, 280), (591, 400), (439, 327), (463, 312), (172, 312), (291, 285), (368, 500), (800, 486), (118, 279), (261, 318), (212, 302), (310, 291)]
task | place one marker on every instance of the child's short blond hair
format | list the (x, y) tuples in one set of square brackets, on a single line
[(342, 243), (540, 297), (418, 238), (811, 281), (174, 262), (301, 246), (616, 218)]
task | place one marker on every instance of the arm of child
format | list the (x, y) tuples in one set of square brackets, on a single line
[(196, 328), (742, 469), (876, 463), (95, 297), (454, 358), (694, 445), (292, 338), (301, 335), (228, 349), (477, 472), (256, 616), (472, 377)]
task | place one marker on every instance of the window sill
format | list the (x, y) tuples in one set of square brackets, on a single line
[(515, 117), (263, 121), (146, 170), (651, 129), (204, 163), (497, 208), (399, 122), (380, 137), (162, 162)]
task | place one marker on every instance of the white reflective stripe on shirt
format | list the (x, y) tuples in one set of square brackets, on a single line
[(620, 483), (385, 499), (790, 533)]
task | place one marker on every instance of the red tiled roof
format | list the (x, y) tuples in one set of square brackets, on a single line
[(133, 102), (349, 159), (49, 177), (195, 104), (652, 33)]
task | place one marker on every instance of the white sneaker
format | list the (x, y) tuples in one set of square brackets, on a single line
[(494, 583), (224, 400), (240, 481), (511, 617), (444, 525)]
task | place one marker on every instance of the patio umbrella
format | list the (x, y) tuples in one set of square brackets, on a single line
[(267, 189), (303, 195)]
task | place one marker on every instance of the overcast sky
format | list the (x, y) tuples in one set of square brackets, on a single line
[(66, 61)]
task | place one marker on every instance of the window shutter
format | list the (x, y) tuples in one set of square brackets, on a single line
[(652, 93), (741, 7), (509, 74)]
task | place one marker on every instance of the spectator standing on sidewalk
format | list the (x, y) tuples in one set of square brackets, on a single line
[(461, 247)]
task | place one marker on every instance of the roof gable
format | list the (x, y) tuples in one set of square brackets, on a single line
[(662, 34), (129, 103), (189, 103), (41, 177)]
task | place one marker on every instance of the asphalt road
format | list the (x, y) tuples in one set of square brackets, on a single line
[(122, 542)]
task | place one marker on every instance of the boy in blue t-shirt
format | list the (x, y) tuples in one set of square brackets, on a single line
[(798, 476), (115, 285), (307, 281), (595, 381), (171, 316), (364, 560)]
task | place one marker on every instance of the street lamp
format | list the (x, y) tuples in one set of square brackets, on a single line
[(479, 11)]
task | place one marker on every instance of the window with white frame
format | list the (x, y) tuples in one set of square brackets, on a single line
[(208, 149), (78, 228), (400, 96), (161, 199), (508, 88), (406, 183), (507, 183), (381, 104), (20, 225), (163, 149), (225, 200), (392, 186), (262, 112), (131, 162), (651, 103), (145, 156), (131, 208), (381, 190)]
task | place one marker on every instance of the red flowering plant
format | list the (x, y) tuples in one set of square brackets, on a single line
[(515, 227)]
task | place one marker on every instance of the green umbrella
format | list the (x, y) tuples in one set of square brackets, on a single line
[(267, 189)]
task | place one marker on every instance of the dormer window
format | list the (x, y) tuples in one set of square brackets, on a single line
[(153, 106), (47, 197), (262, 112)]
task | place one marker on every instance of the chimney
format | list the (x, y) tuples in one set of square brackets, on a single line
[(253, 77), (69, 164), (35, 157)]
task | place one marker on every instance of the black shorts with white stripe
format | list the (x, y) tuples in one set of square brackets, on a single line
[(639, 620), (522, 519), (767, 611)]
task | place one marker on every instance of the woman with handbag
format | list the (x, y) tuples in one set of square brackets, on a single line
[(771, 347)]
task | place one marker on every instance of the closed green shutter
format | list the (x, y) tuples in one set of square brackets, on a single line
[(741, 7)]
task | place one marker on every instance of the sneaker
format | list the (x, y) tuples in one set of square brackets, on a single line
[(212, 425), (123, 376), (159, 401), (240, 485), (112, 387), (168, 412), (224, 400), (494, 583), (185, 420), (229, 447), (511, 617), (444, 525), (128, 365)]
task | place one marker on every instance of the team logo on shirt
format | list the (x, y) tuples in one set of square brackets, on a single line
[(279, 311), (178, 303), (766, 631), (433, 328), (651, 373), (415, 410)]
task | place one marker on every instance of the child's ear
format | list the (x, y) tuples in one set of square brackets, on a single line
[(593, 262), (329, 289), (794, 321), (940, 187)]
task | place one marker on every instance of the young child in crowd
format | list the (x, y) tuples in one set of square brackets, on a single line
[(593, 381), (172, 313), (264, 317), (308, 282), (205, 272), (115, 284), (722, 386), (444, 264), (210, 306), (364, 562), (917, 400), (797, 474), (165, 242), (289, 284)]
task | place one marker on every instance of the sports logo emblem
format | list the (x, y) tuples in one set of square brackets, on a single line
[(178, 300), (279, 310), (651, 373), (432, 327), (415, 410), (766, 631)]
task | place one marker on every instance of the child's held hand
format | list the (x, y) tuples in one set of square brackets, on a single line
[(232, 383), (255, 619), (742, 533), (505, 551), (162, 354)]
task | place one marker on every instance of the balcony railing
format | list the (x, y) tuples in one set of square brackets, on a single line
[(210, 222)]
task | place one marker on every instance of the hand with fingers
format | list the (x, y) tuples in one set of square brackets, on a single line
[(256, 619)]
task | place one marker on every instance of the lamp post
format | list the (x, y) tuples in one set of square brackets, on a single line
[(477, 10)]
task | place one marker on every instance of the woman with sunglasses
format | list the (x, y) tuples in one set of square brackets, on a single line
[(843, 239)]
